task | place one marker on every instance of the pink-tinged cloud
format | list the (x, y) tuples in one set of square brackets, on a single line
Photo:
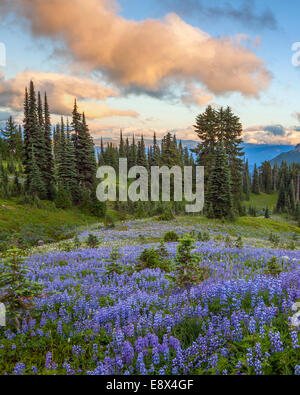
[(149, 55), (61, 91), (271, 134), (194, 95)]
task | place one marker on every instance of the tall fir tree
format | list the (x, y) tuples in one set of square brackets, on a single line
[(255, 182), (49, 167), (230, 131), (246, 181), (132, 157), (219, 195), (122, 149), (141, 153), (37, 186)]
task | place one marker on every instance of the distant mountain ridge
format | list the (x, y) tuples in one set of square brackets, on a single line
[(289, 157)]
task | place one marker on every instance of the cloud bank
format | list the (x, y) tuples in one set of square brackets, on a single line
[(271, 134), (61, 91), (149, 56)]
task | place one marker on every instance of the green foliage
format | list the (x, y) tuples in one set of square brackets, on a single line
[(170, 237), (109, 221), (212, 127), (219, 191), (167, 215), (267, 213), (63, 200), (239, 242), (92, 241), (228, 242), (275, 239), (203, 236), (66, 246), (113, 265), (252, 211), (188, 271), (26, 224), (152, 258), (291, 245), (17, 290), (255, 182), (77, 242), (273, 267)]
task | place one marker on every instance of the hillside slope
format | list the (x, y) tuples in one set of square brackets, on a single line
[(289, 157), (31, 224)]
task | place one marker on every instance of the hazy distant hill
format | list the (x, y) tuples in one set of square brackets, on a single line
[(289, 157)]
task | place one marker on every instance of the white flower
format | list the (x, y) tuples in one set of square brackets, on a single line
[(296, 320), (296, 306)]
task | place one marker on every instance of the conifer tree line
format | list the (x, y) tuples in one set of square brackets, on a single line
[(46, 163), (168, 152), (219, 151), (59, 163), (284, 179)]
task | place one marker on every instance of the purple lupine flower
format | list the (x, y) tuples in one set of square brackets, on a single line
[(19, 369), (294, 337)]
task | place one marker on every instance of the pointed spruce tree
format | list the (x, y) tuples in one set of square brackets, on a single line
[(219, 195)]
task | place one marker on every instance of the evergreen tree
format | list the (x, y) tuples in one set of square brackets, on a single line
[(101, 161), (170, 155), (267, 213), (246, 181), (40, 111), (220, 197), (85, 153), (36, 184), (230, 131), (255, 182), (282, 199), (206, 128), (10, 133), (70, 167), (212, 127), (291, 195), (27, 147), (122, 150), (155, 152), (19, 144), (132, 157), (34, 138), (57, 144), (49, 163), (266, 177), (141, 154)]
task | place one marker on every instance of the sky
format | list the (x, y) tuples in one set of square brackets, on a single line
[(154, 65)]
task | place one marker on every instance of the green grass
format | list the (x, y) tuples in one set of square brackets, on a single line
[(50, 222), (263, 200), (268, 224)]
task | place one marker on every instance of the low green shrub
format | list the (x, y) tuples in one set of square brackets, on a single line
[(171, 237), (18, 289), (187, 265), (92, 241)]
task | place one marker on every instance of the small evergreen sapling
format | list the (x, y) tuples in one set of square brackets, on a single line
[(92, 241), (114, 266), (170, 237), (18, 291), (187, 265)]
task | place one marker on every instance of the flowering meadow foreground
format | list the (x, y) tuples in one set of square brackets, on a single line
[(100, 313)]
